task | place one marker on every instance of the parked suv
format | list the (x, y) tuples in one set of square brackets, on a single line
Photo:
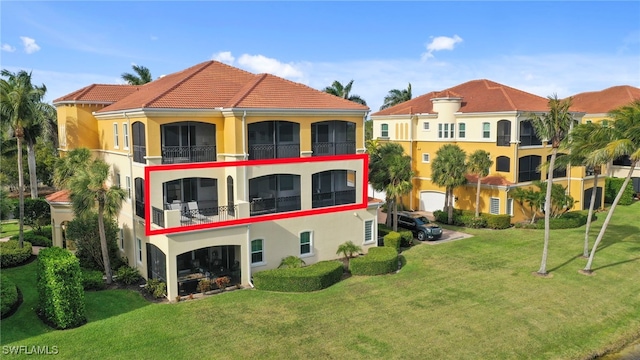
[(421, 227)]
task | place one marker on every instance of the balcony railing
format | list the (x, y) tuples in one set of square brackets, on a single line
[(261, 206), (333, 198), (334, 148), (139, 152), (271, 151), (188, 154), (205, 212), (158, 216)]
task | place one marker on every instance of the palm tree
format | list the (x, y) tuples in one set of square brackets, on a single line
[(400, 175), (291, 262), (624, 134), (19, 107), (448, 170), (395, 97), (88, 188), (552, 126), (348, 249), (43, 124), (479, 164), (344, 91), (142, 76), (66, 167)]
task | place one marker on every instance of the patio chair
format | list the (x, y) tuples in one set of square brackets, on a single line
[(183, 217), (194, 211)]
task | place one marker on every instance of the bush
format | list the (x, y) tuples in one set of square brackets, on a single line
[(612, 187), (92, 280), (204, 285), (379, 260), (46, 231), (37, 213), (60, 292), (383, 229), (393, 239), (127, 275), (406, 237), (156, 288), (443, 216), (34, 239), (84, 231), (12, 255), (569, 220), (309, 278), (497, 221), (8, 295), (6, 205)]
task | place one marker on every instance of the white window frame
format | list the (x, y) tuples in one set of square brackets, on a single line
[(251, 252), (117, 180), (383, 131), (125, 134), (310, 253), (128, 184), (116, 137), (139, 250), (371, 226), (491, 205), (486, 134), (462, 130), (446, 131), (426, 158), (426, 126), (121, 235), (63, 135), (510, 206)]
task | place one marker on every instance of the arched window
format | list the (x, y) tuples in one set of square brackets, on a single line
[(504, 133), (139, 194), (559, 172), (503, 164), (139, 143), (527, 168), (528, 136)]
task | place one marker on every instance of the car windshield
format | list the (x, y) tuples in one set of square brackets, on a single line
[(421, 220)]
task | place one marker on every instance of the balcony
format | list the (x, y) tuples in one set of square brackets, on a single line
[(260, 206), (333, 198), (188, 154), (139, 152), (334, 148), (271, 151), (193, 213)]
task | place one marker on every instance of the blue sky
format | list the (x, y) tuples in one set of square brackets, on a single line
[(539, 47)]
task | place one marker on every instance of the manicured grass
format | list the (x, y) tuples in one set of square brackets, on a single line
[(467, 299), (11, 227)]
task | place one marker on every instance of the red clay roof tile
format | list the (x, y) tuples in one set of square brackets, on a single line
[(601, 102), (100, 93), (62, 196)]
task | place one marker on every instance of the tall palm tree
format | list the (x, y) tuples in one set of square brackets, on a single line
[(67, 166), (448, 170), (552, 126), (41, 126), (344, 91), (142, 76), (624, 134), (400, 175), (395, 97), (19, 107), (89, 190), (479, 164), (381, 158)]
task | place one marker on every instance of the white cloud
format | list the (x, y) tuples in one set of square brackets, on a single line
[(263, 64), (224, 57), (29, 44), (441, 43), (154, 38), (8, 48)]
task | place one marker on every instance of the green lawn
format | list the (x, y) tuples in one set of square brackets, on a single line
[(468, 299), (10, 228)]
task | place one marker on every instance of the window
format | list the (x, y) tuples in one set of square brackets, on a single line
[(139, 249), (121, 235), (117, 180), (116, 138), (425, 126), (486, 130), (561, 171), (368, 231), (462, 130), (63, 135), (504, 133), (257, 252), (588, 121), (605, 123), (503, 164), (528, 168), (446, 131), (305, 243), (128, 184), (528, 136), (425, 157), (125, 133), (384, 130), (494, 206), (510, 206)]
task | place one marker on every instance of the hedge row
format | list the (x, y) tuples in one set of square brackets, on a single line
[(569, 220), (309, 278), (379, 260), (12, 255), (393, 240), (612, 187), (406, 236), (8, 294), (60, 292), (92, 280), (34, 239), (467, 218)]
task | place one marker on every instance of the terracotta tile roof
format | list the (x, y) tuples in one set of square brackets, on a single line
[(489, 180), (212, 84), (477, 96), (62, 196), (99, 93), (601, 102)]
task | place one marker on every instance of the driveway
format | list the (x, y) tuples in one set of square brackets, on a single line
[(447, 235)]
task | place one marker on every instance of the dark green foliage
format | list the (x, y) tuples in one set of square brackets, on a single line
[(612, 187), (570, 220), (8, 294), (45, 231), (383, 229), (127, 275), (473, 222), (393, 240), (6, 204), (92, 280), (379, 260), (60, 292), (11, 254), (37, 213), (443, 217), (406, 237), (156, 288), (309, 278), (35, 240), (84, 231), (497, 221)]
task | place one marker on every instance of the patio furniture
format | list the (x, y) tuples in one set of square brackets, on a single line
[(195, 212)]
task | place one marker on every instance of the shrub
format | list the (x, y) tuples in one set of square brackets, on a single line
[(84, 231), (379, 260), (383, 229), (92, 280), (393, 239), (37, 213), (60, 292), (569, 220), (6, 205), (222, 282), (46, 231), (127, 275), (406, 237), (34, 239), (156, 288), (477, 222), (612, 187), (309, 278), (443, 217), (12, 255), (204, 285), (497, 221), (8, 295)]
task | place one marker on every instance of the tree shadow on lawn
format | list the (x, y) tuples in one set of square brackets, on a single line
[(616, 263)]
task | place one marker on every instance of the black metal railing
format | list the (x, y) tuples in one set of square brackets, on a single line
[(139, 152), (140, 208), (334, 148), (333, 198), (188, 154), (271, 151), (206, 211), (157, 216), (274, 205)]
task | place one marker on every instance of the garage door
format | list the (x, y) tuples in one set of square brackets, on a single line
[(586, 200), (431, 200)]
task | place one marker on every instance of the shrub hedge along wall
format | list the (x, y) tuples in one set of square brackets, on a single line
[(393, 240), (379, 260), (612, 187), (34, 239), (309, 278), (60, 292), (12, 255)]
